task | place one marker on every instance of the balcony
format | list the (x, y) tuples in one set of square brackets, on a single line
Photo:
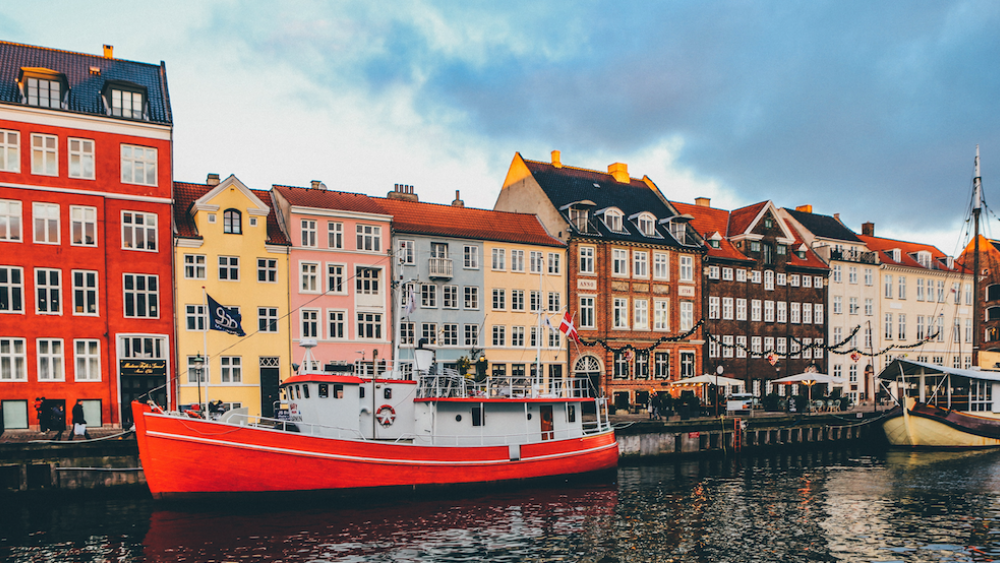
[(440, 268), (853, 255)]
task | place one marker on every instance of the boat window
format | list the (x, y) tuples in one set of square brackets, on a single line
[(361, 392), (388, 392), (305, 391), (570, 413), (338, 391), (324, 391), (298, 392), (477, 416)]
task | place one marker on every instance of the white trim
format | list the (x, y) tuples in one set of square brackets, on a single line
[(59, 118), (276, 248), (188, 242), (108, 195), (259, 208)]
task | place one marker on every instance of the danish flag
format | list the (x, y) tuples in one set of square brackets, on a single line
[(566, 326)]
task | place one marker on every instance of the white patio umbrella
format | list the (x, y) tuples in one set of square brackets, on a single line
[(809, 379)]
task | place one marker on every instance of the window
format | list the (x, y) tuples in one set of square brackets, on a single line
[(517, 336), (687, 364), (370, 326), (755, 310), (10, 151), (795, 314), (46, 220), (11, 290), (661, 365), (194, 266), (621, 366), (613, 220), (472, 335), (406, 333), (782, 312), (310, 323), (335, 237), (535, 301), (499, 336), (818, 313), (920, 289), (308, 233), (647, 226), (620, 314), (87, 354), (499, 259), (84, 292), (687, 315), (48, 291), (499, 299), (868, 277), (471, 254), (869, 306), (727, 308), (901, 319), (232, 222), (449, 334), (727, 346), (888, 287), (554, 263), (428, 295), (50, 359), (407, 252), (793, 280), (229, 268), (756, 347), (335, 279), (769, 280), (517, 260), (686, 269), (768, 311), (126, 103), (83, 226), (661, 314), (660, 269), (852, 274), (517, 300), (471, 297), (555, 302), (806, 281), (853, 306), (369, 238), (308, 277), (640, 312), (741, 309), (138, 230), (81, 158), (267, 319), (450, 296), (535, 263), (10, 220), (902, 287), (267, 270), (142, 296), (138, 165), (713, 272), (640, 264), (837, 303), (920, 327), (727, 274), (45, 155), (586, 260), (232, 369), (807, 314), (587, 312)]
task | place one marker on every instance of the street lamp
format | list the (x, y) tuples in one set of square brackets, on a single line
[(196, 364), (718, 372)]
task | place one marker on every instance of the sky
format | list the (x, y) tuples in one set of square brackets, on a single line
[(869, 109)]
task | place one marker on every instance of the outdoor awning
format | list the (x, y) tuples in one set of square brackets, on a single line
[(708, 379), (908, 368)]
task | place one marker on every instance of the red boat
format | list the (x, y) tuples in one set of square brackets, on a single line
[(355, 431)]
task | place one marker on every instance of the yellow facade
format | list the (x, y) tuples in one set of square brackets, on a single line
[(513, 277), (232, 222)]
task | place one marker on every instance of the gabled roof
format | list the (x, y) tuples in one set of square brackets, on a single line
[(884, 246), (431, 219), (710, 220), (85, 85), (740, 220), (330, 199), (824, 226), (566, 185), (185, 196)]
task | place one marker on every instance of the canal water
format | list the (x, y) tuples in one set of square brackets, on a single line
[(816, 506)]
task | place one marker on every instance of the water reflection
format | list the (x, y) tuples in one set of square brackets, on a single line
[(810, 506)]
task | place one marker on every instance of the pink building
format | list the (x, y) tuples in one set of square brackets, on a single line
[(339, 272)]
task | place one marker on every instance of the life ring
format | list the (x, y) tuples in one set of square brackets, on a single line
[(385, 415)]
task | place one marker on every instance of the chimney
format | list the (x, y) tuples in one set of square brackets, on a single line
[(212, 180), (703, 202), (619, 171), (317, 185), (556, 162), (404, 192), (805, 208), (458, 201), (837, 217), (868, 229), (109, 51)]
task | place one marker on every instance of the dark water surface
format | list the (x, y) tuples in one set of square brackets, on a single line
[(817, 506)]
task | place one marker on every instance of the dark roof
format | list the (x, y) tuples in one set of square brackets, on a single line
[(186, 194), (85, 87), (432, 219), (823, 226), (566, 184)]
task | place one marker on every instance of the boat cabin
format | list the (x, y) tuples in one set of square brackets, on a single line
[(963, 390)]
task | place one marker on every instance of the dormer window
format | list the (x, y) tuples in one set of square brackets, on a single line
[(647, 224), (578, 214), (924, 259), (124, 99), (801, 254), (678, 230), (613, 220), (232, 222), (896, 254), (714, 243), (43, 88)]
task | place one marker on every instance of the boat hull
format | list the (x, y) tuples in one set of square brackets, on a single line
[(927, 426), (183, 457)]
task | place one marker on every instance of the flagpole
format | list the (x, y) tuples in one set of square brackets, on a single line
[(204, 353)]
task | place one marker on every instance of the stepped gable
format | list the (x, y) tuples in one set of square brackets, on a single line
[(708, 221), (884, 246), (566, 184), (435, 219), (330, 199), (85, 85), (823, 226)]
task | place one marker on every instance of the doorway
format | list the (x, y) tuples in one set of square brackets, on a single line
[(269, 379)]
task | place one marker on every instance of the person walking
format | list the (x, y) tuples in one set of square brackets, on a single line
[(79, 424), (58, 421), (39, 411)]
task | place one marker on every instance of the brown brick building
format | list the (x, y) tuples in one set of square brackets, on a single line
[(635, 273), (764, 293)]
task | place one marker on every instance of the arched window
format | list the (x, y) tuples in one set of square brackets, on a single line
[(647, 224), (232, 222), (993, 313), (613, 220), (993, 292)]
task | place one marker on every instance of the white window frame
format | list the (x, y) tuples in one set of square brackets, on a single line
[(193, 267), (13, 359), (369, 238), (498, 260), (686, 269), (139, 165), (88, 292), (268, 269), (86, 217), (49, 291), (661, 315), (307, 233), (48, 214), (231, 368), (10, 151), (554, 266), (588, 311), (470, 255), (337, 325), (267, 319), (86, 362), (232, 263), (148, 226), (52, 361), (619, 263), (309, 277), (309, 323), (10, 217), (516, 260), (44, 154), (81, 158), (152, 297), (586, 257), (620, 314)]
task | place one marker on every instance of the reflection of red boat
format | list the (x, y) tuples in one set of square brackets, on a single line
[(353, 432)]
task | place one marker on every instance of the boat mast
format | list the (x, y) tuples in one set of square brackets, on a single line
[(977, 201)]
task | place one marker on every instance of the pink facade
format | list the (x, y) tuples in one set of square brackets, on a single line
[(340, 273)]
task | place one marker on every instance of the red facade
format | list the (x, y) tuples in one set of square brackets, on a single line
[(85, 268)]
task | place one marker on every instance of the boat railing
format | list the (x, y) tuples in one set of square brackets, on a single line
[(589, 429), (305, 428), (452, 384)]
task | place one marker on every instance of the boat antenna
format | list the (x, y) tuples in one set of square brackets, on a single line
[(977, 202)]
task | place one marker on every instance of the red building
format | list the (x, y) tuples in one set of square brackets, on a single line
[(85, 269)]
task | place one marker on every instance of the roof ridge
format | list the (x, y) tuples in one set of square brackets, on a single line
[(321, 191), (101, 57), (454, 206), (604, 173), (902, 241)]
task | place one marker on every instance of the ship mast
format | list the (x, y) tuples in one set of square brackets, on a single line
[(977, 201)]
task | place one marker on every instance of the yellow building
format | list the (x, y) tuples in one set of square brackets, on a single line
[(228, 244)]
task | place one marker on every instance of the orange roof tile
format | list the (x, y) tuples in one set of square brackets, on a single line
[(185, 194), (710, 220), (884, 245)]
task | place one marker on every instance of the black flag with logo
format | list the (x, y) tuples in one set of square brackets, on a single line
[(224, 318)]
